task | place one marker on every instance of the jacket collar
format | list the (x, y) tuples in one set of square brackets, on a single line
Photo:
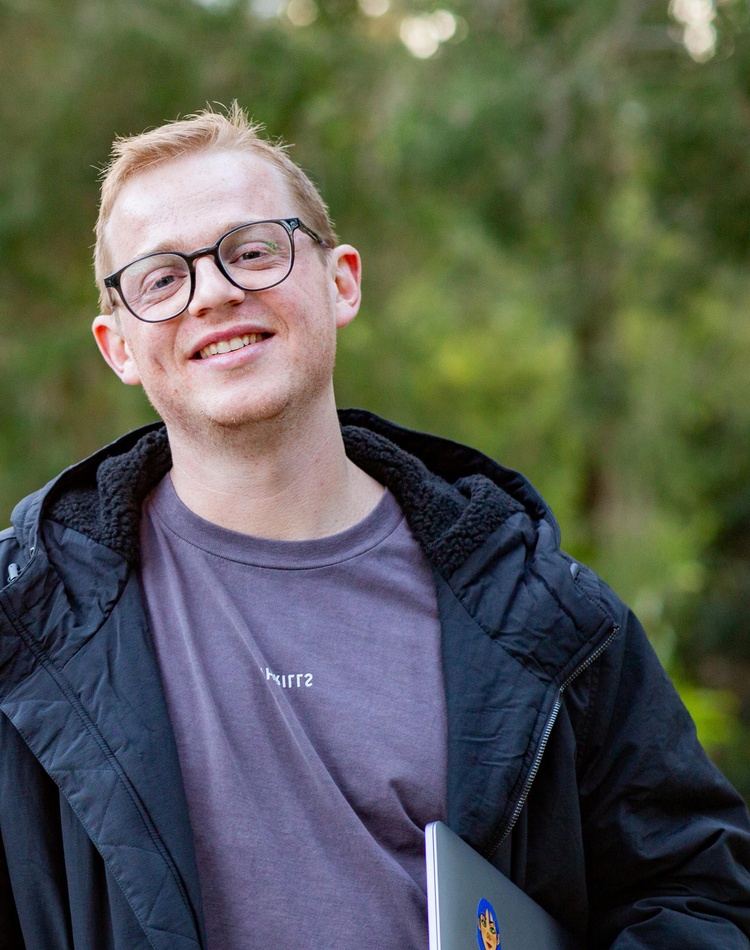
[(453, 497)]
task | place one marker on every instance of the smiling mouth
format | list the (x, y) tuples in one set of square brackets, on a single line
[(228, 346)]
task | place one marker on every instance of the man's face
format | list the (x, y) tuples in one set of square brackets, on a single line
[(186, 204)]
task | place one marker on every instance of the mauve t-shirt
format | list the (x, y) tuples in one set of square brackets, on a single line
[(304, 684)]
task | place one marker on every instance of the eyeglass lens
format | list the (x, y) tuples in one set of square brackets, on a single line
[(255, 257)]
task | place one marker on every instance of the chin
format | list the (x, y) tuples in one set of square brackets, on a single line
[(239, 409), (219, 421)]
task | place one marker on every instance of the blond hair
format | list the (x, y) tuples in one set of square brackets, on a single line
[(206, 130)]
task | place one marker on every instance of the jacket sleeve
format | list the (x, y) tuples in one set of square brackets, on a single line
[(667, 839), (10, 928)]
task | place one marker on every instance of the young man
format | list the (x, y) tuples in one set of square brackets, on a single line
[(246, 655)]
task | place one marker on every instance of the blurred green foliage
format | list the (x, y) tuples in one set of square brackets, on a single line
[(551, 199)]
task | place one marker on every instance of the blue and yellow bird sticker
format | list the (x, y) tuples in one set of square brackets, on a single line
[(488, 934)]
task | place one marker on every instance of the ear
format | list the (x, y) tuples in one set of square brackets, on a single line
[(115, 348), (347, 277)]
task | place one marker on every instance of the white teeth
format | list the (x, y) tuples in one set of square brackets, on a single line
[(226, 346)]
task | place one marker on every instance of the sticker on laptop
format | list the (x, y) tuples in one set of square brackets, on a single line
[(488, 935)]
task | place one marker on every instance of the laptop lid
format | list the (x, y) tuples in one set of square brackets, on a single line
[(470, 904)]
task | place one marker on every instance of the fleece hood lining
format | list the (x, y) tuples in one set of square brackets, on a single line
[(450, 520)]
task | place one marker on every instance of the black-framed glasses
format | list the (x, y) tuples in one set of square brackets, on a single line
[(253, 257)]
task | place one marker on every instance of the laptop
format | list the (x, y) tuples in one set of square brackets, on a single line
[(471, 904)]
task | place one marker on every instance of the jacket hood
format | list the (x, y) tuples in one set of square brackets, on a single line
[(453, 497)]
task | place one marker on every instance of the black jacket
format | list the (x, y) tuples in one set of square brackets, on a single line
[(572, 764)]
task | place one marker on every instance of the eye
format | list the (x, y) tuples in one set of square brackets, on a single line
[(154, 278), (253, 253), (256, 247), (161, 282)]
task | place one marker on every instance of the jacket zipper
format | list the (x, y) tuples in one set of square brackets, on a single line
[(547, 732)]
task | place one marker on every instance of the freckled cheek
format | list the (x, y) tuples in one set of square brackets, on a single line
[(154, 365), (160, 355)]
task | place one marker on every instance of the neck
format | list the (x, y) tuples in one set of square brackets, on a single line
[(273, 481)]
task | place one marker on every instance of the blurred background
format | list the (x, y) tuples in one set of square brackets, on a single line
[(552, 200)]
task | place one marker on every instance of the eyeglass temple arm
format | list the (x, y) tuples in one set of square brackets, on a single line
[(310, 233)]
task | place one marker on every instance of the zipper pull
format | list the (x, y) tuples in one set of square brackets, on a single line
[(13, 571)]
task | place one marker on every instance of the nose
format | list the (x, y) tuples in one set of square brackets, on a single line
[(212, 289)]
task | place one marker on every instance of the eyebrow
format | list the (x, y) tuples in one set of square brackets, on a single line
[(164, 247)]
